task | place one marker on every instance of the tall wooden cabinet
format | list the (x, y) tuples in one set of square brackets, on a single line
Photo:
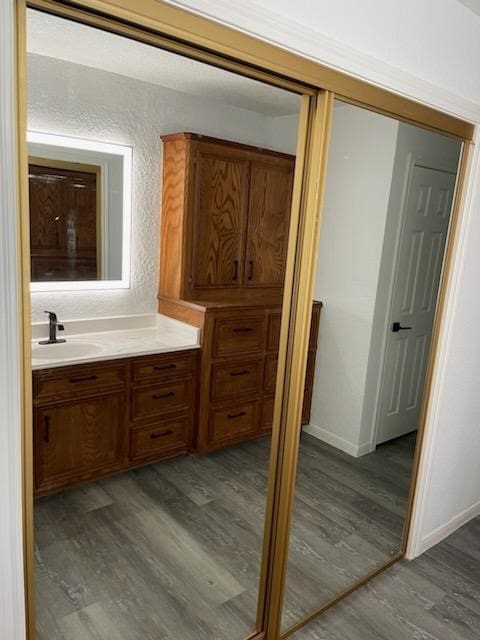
[(225, 218), (224, 234)]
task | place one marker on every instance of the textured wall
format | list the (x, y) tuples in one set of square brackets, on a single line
[(84, 102), (359, 175)]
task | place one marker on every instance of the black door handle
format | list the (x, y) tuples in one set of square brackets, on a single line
[(396, 326)]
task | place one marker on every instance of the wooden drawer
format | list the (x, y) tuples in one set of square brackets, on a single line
[(244, 334), (77, 381), (274, 324), (164, 366), (160, 399), (165, 437), (233, 422), (267, 412), (271, 365), (236, 379)]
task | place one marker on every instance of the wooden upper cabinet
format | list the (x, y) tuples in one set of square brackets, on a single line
[(271, 183), (219, 217), (225, 220)]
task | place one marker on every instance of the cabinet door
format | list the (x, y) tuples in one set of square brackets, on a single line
[(219, 218), (77, 439), (271, 185)]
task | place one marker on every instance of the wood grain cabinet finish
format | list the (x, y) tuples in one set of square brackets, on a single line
[(94, 419), (63, 223), (79, 439), (225, 219)]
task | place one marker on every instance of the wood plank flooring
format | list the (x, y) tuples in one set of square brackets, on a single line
[(172, 551), (434, 597), (348, 519)]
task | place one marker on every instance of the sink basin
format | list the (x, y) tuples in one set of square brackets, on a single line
[(65, 350)]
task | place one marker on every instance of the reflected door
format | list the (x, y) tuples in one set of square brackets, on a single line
[(419, 265)]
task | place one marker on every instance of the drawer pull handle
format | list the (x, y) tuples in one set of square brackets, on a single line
[(239, 373), (83, 379), (235, 270), (243, 330), (167, 432), (159, 396), (46, 429), (250, 269), (168, 366), (236, 415)]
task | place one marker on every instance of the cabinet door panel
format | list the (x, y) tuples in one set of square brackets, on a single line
[(268, 222), (74, 439), (221, 196)]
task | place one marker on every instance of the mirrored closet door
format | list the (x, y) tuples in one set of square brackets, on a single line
[(151, 459), (386, 216)]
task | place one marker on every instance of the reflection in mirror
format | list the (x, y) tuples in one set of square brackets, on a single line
[(386, 216), (167, 440), (79, 195)]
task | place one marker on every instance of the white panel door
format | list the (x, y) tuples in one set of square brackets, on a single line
[(417, 277)]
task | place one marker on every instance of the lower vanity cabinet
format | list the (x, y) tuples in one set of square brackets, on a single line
[(79, 440), (95, 419), (162, 408), (238, 371)]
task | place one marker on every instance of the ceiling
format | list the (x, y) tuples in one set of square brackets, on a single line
[(72, 42)]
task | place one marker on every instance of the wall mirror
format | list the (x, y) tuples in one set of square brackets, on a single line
[(386, 216), (80, 211)]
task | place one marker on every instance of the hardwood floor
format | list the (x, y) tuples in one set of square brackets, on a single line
[(434, 597), (173, 550), (348, 519)]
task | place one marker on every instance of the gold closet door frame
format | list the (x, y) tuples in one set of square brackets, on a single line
[(176, 30)]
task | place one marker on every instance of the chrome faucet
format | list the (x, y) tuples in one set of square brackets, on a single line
[(52, 330)]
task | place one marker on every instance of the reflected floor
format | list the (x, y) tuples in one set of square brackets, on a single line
[(434, 597), (168, 551), (173, 550), (348, 519)]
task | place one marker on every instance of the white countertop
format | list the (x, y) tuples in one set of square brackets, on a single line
[(111, 338)]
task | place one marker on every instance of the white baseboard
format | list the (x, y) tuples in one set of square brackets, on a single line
[(446, 529), (351, 448)]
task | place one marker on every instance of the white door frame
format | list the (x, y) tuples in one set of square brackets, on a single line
[(12, 603)]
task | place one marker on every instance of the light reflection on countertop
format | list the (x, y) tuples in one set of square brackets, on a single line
[(112, 338)]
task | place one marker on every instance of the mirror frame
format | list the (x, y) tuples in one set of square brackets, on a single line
[(126, 153), (175, 29)]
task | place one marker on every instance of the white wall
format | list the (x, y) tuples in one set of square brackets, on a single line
[(433, 59), (402, 46), (359, 176), (79, 101)]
